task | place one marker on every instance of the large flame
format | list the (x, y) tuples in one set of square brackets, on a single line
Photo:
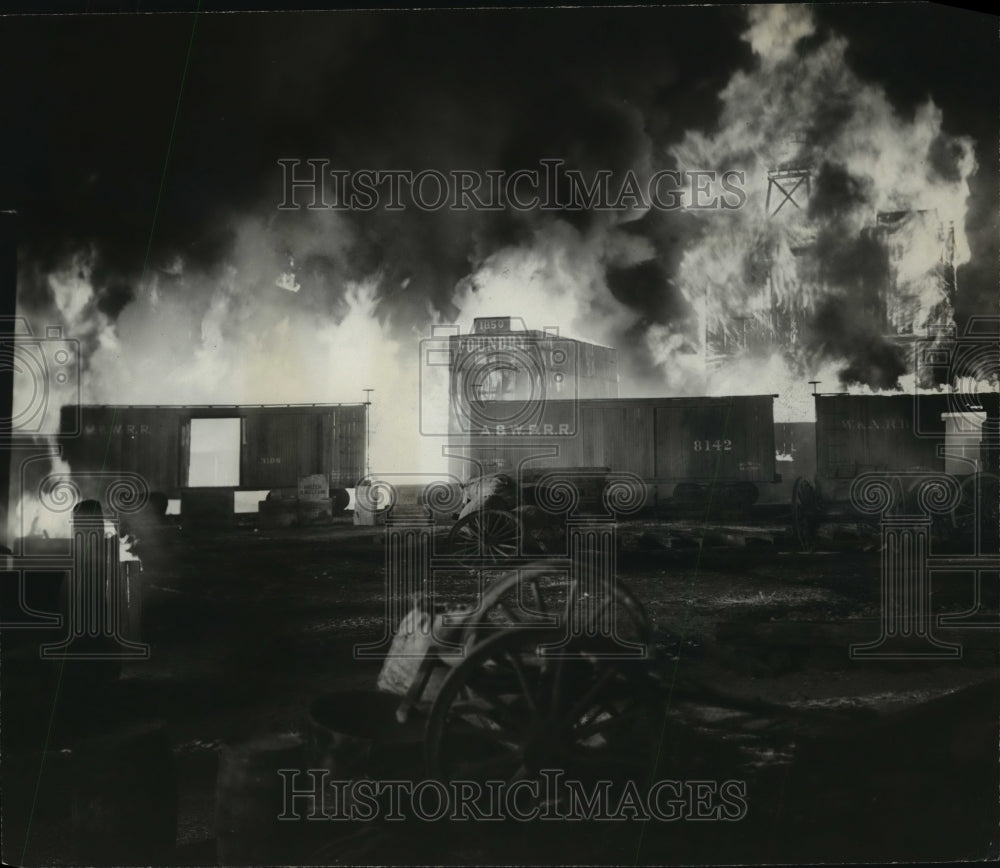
[(259, 327), (820, 259)]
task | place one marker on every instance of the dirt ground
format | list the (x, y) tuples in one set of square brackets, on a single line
[(842, 759)]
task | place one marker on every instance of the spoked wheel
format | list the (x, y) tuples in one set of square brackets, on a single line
[(508, 712), (805, 514), (540, 597), (487, 536)]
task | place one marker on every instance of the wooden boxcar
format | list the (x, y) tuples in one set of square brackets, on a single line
[(902, 436), (684, 449), (277, 444)]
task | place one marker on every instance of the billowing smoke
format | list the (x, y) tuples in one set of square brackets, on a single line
[(847, 322), (854, 218), (195, 288)]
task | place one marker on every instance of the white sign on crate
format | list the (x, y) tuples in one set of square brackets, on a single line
[(314, 487)]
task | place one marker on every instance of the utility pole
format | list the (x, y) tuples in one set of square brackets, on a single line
[(368, 432)]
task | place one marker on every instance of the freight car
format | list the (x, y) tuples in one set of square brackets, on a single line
[(687, 451), (700, 456), (907, 438), (277, 444)]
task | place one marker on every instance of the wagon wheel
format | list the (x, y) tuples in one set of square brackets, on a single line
[(537, 596), (486, 535), (805, 514), (507, 713)]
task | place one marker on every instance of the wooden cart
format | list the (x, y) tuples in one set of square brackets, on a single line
[(502, 518), (547, 672)]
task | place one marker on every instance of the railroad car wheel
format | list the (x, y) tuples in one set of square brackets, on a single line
[(507, 712), (805, 514), (539, 597), (486, 535), (340, 500)]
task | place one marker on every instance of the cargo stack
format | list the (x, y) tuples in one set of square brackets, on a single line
[(307, 504), (313, 504)]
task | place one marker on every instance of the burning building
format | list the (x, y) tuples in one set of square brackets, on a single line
[(920, 250), (903, 280), (854, 227)]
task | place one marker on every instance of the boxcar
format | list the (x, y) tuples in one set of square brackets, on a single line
[(277, 444), (901, 436), (687, 451)]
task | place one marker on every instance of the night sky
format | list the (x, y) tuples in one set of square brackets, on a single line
[(92, 102)]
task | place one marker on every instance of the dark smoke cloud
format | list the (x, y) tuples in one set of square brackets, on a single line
[(838, 331), (857, 264), (111, 300), (96, 98), (850, 323), (836, 192), (645, 287), (439, 90), (950, 55)]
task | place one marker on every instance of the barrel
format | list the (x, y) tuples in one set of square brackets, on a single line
[(249, 797), (124, 799)]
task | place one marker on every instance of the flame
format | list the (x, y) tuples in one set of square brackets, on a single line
[(262, 327), (556, 281), (32, 516), (230, 335), (807, 114)]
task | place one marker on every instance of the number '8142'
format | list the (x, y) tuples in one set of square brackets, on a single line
[(713, 445)]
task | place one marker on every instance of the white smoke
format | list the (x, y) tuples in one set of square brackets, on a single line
[(235, 334), (800, 110)]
